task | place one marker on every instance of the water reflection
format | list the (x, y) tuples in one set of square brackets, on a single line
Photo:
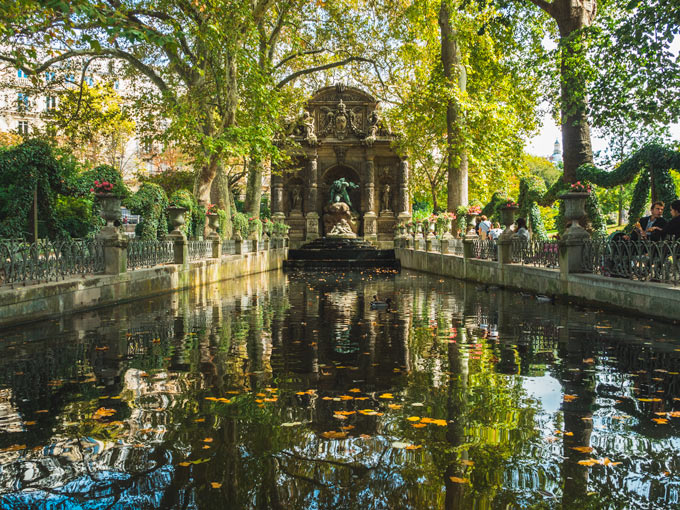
[(289, 392)]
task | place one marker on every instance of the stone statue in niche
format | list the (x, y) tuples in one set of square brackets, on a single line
[(296, 198), (338, 191), (338, 222), (385, 198)]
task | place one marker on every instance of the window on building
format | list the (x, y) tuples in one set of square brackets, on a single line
[(89, 80), (23, 127), (22, 102), (51, 102), (21, 73), (49, 75), (70, 78), (116, 85)]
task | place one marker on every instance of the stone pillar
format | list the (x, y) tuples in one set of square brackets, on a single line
[(504, 244), (181, 247), (311, 207), (216, 246), (571, 249), (115, 250), (404, 198), (370, 220), (277, 197), (313, 186)]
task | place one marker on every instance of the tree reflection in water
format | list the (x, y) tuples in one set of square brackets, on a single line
[(289, 392)]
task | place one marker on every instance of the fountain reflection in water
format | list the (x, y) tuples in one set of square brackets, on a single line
[(283, 391)]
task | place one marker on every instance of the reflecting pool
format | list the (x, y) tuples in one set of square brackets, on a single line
[(289, 392)]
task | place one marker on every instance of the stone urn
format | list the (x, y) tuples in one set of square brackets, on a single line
[(508, 215), (213, 222), (176, 217), (109, 207), (470, 218), (419, 231), (574, 205)]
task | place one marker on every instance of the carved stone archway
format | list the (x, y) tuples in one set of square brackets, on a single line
[(341, 134)]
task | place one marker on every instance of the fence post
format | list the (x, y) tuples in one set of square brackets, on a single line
[(571, 249), (180, 247), (216, 245), (504, 244), (115, 250), (238, 246)]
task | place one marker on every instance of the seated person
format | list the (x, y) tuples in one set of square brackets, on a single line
[(522, 231), (495, 232), (671, 230), (649, 227)]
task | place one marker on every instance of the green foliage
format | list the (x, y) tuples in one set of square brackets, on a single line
[(531, 190), (280, 228), (170, 181), (150, 202), (79, 216), (224, 220), (239, 223), (492, 209), (255, 227), (103, 173), (25, 168)]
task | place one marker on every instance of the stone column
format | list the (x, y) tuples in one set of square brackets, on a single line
[(115, 251), (277, 197), (404, 198), (311, 207), (370, 221), (181, 247)]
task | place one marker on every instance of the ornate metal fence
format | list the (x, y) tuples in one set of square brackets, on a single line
[(149, 253), (484, 249), (200, 250), (44, 261), (635, 260), (228, 247), (456, 247), (536, 253), (260, 245)]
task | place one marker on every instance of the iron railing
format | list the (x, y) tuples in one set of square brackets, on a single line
[(149, 253), (536, 252), (456, 247), (44, 261), (635, 260), (200, 250), (228, 247), (484, 249), (260, 245)]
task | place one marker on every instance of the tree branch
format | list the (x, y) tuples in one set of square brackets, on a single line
[(299, 54), (546, 6), (323, 67)]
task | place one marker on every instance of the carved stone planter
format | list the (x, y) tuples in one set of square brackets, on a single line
[(574, 205), (110, 207), (470, 218), (213, 222), (508, 216), (176, 217)]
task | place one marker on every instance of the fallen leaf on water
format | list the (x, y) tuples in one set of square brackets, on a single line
[(649, 399), (394, 406), (570, 398), (365, 436), (418, 425), (660, 421), (208, 440), (42, 411), (354, 390), (199, 420), (185, 464), (414, 446), (466, 462), (14, 448), (582, 449), (333, 434), (387, 396), (215, 485), (413, 418), (291, 424), (347, 427), (455, 479)]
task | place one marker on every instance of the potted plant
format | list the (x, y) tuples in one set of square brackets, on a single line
[(508, 212), (575, 200), (109, 201)]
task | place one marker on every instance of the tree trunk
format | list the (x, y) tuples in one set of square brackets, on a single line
[(572, 17), (219, 195), (433, 190), (254, 187), (455, 74)]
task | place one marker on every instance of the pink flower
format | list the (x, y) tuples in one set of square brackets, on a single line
[(91, 189)]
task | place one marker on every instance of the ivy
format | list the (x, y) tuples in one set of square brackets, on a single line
[(150, 202), (33, 166), (651, 164), (492, 209), (240, 225)]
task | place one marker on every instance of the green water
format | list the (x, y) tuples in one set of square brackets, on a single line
[(289, 392)]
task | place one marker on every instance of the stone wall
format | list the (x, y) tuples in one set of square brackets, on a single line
[(645, 298), (49, 300)]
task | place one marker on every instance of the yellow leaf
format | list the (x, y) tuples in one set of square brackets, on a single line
[(354, 390), (215, 485), (185, 464), (387, 395), (208, 440), (455, 479), (413, 418), (582, 449), (394, 406), (660, 421), (418, 425), (466, 462)]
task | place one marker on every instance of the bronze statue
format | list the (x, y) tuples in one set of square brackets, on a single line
[(339, 193)]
